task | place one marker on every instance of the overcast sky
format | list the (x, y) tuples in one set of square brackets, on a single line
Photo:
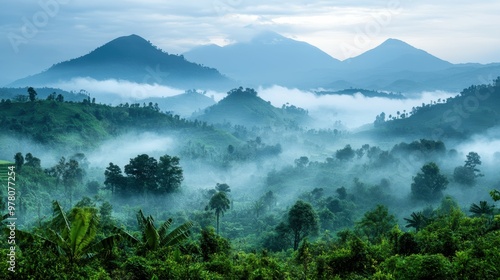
[(36, 34)]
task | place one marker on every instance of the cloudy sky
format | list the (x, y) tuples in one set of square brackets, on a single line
[(36, 34)]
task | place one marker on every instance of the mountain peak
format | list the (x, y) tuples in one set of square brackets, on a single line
[(130, 43), (396, 44), (268, 37), (396, 55), (131, 58)]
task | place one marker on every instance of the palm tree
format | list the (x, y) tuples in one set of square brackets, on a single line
[(220, 203), (74, 236), (418, 221), (483, 209)]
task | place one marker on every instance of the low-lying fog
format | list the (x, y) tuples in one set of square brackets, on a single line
[(352, 111)]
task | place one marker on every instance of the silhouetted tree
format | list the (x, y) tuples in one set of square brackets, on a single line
[(417, 221), (32, 94), (347, 153), (429, 183), (114, 179), (483, 209), (223, 187), (220, 203), (142, 171), (302, 220), (19, 161), (170, 174)]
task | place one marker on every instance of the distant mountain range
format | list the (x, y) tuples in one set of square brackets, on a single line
[(134, 59), (268, 59), (392, 66)]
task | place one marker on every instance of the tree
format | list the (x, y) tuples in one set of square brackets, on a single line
[(60, 98), (223, 187), (142, 171), (242, 92), (114, 179), (19, 161), (220, 203), (347, 153), (51, 97), (74, 236), (72, 175), (473, 160), (269, 200), (468, 173), (302, 162), (169, 174), (377, 223), (464, 175), (32, 161), (302, 220), (495, 194), (483, 209), (153, 238), (32, 94), (379, 119), (429, 183), (417, 221)]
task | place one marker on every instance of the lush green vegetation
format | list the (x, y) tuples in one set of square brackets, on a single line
[(474, 110), (233, 202), (81, 125)]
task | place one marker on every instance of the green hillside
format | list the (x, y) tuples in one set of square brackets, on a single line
[(474, 110), (244, 107), (86, 125)]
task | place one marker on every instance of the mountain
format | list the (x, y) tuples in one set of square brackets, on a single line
[(474, 111), (268, 58), (134, 59), (395, 55), (244, 107), (399, 67), (183, 104)]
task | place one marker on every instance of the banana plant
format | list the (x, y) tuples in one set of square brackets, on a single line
[(153, 238), (73, 236)]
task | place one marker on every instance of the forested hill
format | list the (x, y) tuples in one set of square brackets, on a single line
[(474, 110), (84, 125), (244, 107)]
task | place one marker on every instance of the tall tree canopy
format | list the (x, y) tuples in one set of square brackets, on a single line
[(429, 184), (302, 220)]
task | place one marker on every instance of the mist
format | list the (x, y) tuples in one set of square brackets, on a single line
[(117, 90), (352, 111)]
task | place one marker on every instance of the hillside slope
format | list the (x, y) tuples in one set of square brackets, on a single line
[(85, 125), (244, 107), (475, 110)]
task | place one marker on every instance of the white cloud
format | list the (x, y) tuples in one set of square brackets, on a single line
[(353, 111), (80, 26), (124, 89)]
